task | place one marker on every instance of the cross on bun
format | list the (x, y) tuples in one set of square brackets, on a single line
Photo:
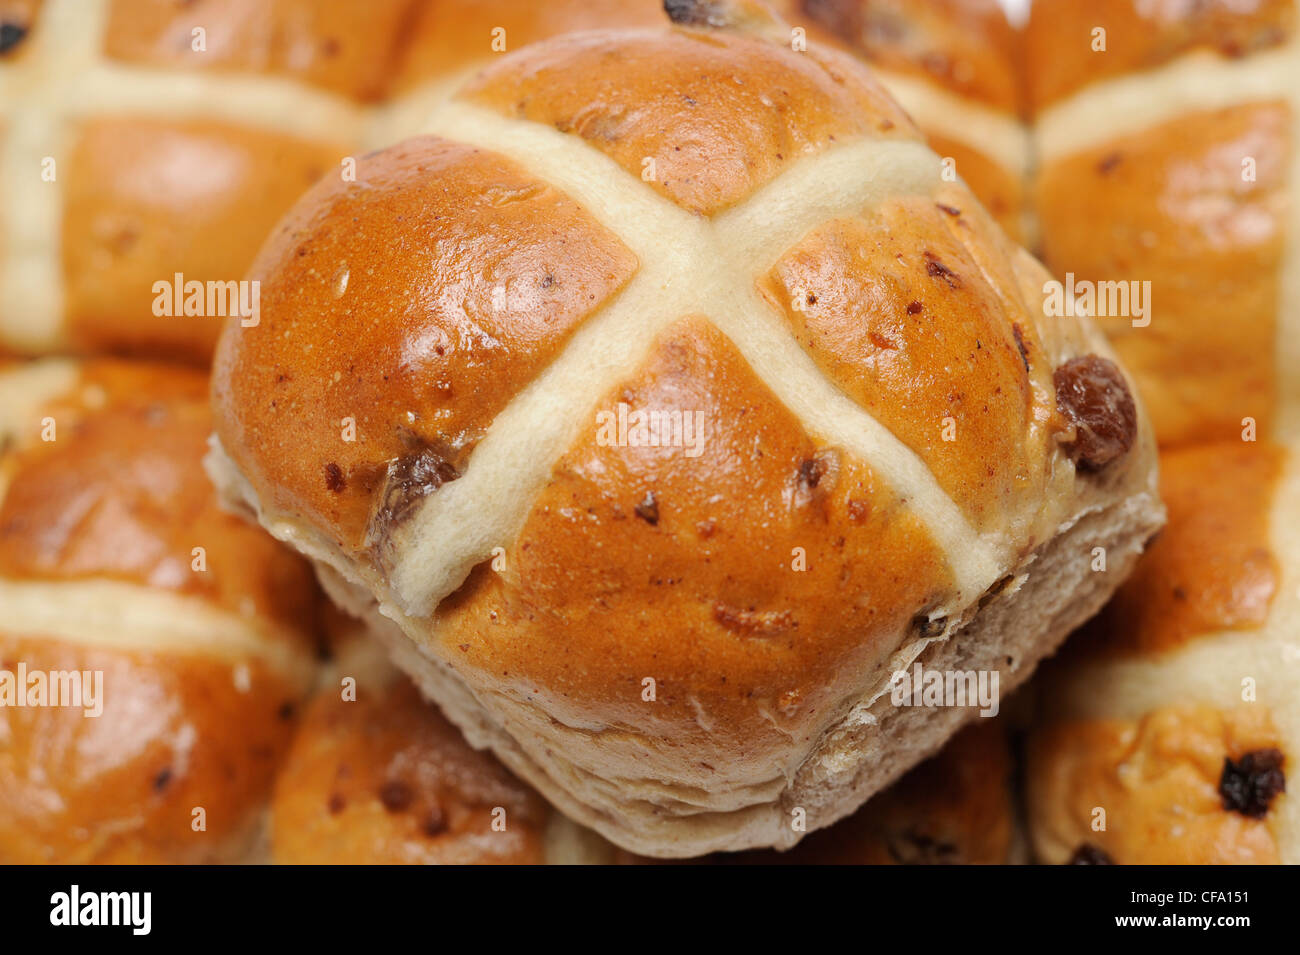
[(682, 644), (140, 139), (178, 637), (954, 66)]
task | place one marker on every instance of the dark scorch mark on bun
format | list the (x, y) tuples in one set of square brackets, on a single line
[(1250, 784), (1094, 397)]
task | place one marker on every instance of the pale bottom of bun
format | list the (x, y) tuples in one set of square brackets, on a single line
[(871, 744)]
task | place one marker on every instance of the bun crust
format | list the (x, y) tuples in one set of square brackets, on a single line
[(379, 777), (718, 577), (116, 562)]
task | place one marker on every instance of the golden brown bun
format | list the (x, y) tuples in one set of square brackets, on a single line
[(204, 227), (203, 655), (954, 65), (417, 412), (1160, 781), (1170, 722), (453, 37), (337, 45), (178, 134), (1168, 206)]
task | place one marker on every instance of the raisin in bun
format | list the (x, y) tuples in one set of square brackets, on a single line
[(141, 139), (1171, 158), (193, 627), (1170, 725), (900, 456)]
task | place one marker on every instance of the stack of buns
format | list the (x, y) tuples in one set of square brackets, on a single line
[(145, 141), (1168, 139), (376, 775)]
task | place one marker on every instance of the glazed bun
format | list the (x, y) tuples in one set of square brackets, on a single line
[(1170, 724), (177, 134), (952, 64), (154, 649), (376, 775), (684, 640)]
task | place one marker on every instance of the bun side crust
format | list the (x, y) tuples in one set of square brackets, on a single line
[(867, 743)]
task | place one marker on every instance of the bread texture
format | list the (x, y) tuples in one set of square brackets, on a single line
[(682, 644), (1169, 726), (144, 141), (376, 775), (154, 648)]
